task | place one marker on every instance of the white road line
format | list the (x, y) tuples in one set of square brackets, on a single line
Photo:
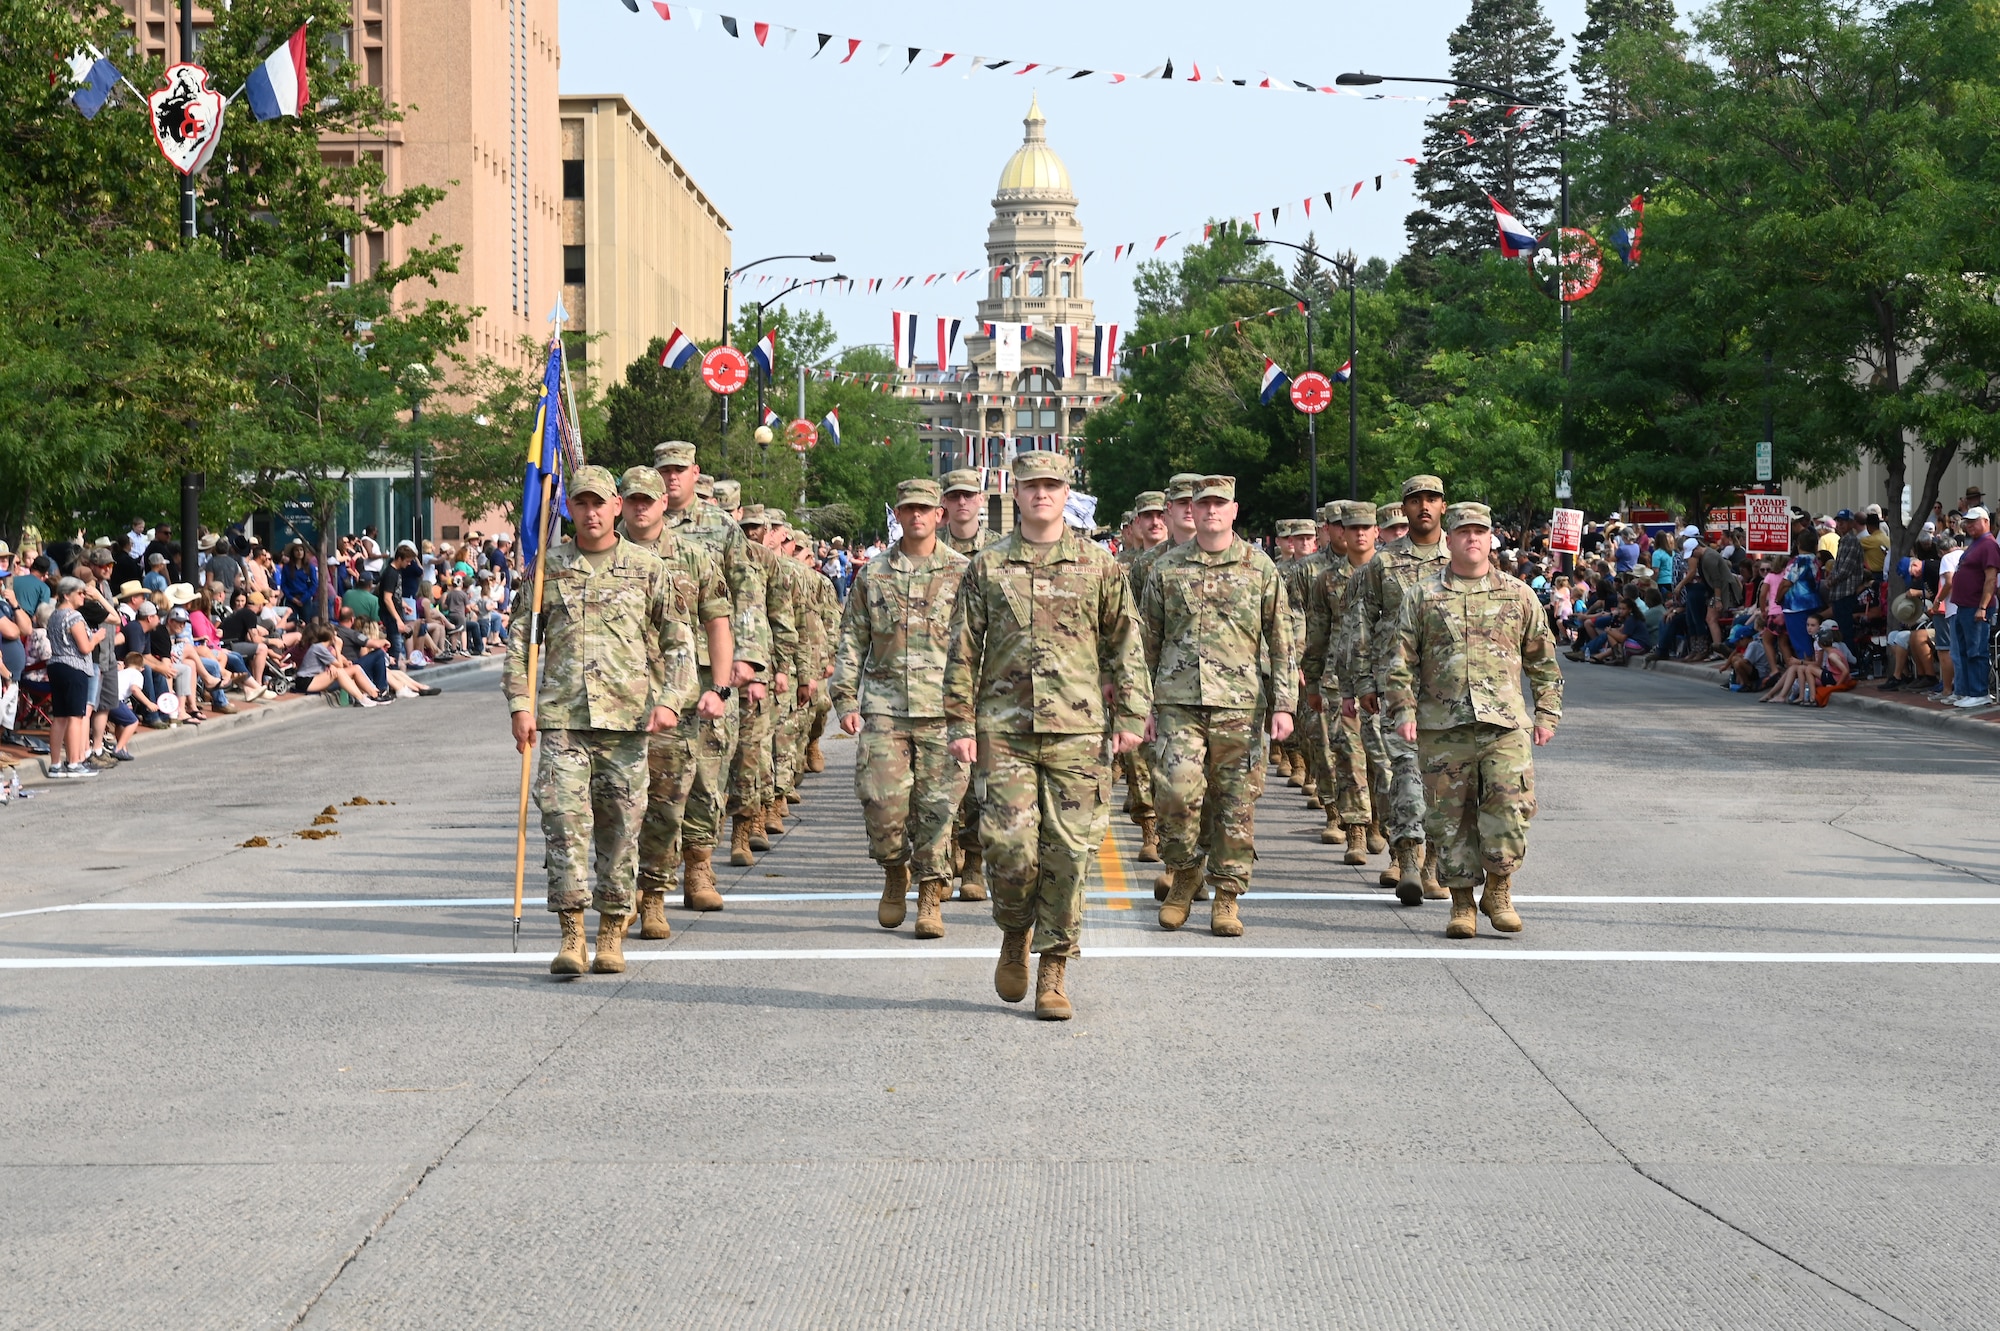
[(433, 903), (1494, 951)]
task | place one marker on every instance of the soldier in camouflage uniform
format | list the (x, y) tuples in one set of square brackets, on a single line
[(827, 604), (708, 525), (1453, 688), (1349, 810), (617, 666), (1149, 532), (1177, 516), (1218, 640), (1042, 628), (794, 704), (671, 756), (889, 689), (1378, 599), (1297, 543), (965, 531), (752, 781)]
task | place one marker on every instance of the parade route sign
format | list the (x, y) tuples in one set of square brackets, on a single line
[(1566, 532), (1767, 528), (725, 370), (802, 434), (1312, 392)]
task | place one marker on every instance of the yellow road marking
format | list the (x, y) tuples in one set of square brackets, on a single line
[(1112, 870)]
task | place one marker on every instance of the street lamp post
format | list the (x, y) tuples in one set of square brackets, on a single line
[(1561, 113), (1312, 419), (729, 276), (762, 379), (1346, 268)]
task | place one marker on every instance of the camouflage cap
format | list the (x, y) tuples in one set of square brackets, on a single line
[(593, 481), (1467, 515), (704, 486), (774, 517), (1149, 501), (728, 494), (753, 516), (966, 480), (1417, 485), (1359, 513), (673, 453), (1390, 515), (641, 481), (1295, 526), (1216, 487), (1328, 514), (920, 491), (1125, 518), (1181, 488), (1040, 464)]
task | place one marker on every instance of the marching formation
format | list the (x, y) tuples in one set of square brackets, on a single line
[(992, 684)]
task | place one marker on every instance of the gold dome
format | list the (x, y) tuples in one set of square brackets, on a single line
[(1034, 165)]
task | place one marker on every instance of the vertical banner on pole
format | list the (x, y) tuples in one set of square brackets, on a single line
[(1767, 528), (1007, 348)]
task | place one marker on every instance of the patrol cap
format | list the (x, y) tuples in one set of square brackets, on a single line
[(1216, 487), (641, 481), (920, 491), (704, 486), (965, 480), (1181, 487), (1359, 513), (1295, 526), (728, 494), (1041, 464), (593, 481), (1467, 515), (1391, 515), (1149, 501), (1417, 485), (753, 516), (1125, 518), (673, 453), (774, 517)]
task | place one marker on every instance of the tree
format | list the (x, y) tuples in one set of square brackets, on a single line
[(1606, 96), (1512, 153)]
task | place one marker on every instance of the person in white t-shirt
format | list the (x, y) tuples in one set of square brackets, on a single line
[(1941, 613)]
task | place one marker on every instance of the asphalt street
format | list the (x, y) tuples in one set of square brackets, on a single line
[(1737, 1072)]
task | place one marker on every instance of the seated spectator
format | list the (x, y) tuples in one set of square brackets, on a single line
[(1749, 665), (324, 670), (364, 645), (1795, 682), (1912, 644), (242, 634), (155, 577), (132, 704), (1836, 666)]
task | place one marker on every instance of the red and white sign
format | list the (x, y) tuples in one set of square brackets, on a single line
[(1566, 531), (725, 370), (1767, 529), (1312, 392), (1722, 519), (186, 116), (803, 435)]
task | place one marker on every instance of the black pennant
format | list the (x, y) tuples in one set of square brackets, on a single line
[(995, 64), (1274, 216), (915, 51), (1169, 71), (1307, 86), (1082, 74), (1329, 198), (1378, 182), (824, 38), (729, 26)]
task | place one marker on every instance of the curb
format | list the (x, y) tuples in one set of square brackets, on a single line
[(265, 716), (1985, 725)]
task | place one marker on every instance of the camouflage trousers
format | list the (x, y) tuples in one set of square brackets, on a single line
[(591, 788), (822, 704), (1310, 741), (787, 743), (1040, 796), (1403, 816), (909, 786), (1139, 781), (1351, 801), (1480, 779), (1376, 754), (670, 768), (750, 777), (1210, 773), (714, 745)]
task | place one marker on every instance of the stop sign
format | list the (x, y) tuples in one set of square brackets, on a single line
[(1312, 392), (725, 370), (803, 435)]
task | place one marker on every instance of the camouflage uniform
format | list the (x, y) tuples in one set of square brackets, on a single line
[(1454, 665), (708, 525), (1310, 739), (966, 837), (1139, 773), (890, 668), (751, 780), (791, 712), (1218, 639), (614, 646), (826, 603), (1325, 664), (1032, 635)]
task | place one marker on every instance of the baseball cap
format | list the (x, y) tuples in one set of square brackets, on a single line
[(1465, 515), (1417, 485), (1216, 487), (178, 615), (641, 481), (1041, 464), (673, 453), (1872, 511), (1845, 515), (965, 480), (1149, 501), (147, 608), (1181, 486), (1977, 512), (593, 481)]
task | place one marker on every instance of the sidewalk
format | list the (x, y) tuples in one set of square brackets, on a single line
[(271, 712), (1865, 697)]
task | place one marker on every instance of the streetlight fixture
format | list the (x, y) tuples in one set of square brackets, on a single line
[(1345, 268), (763, 433), (1560, 110), (1312, 420), (729, 276)]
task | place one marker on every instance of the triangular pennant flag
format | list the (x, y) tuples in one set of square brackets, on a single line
[(1274, 214), (1307, 201), (1328, 196), (853, 45), (729, 26), (1167, 70), (915, 51), (947, 60), (824, 38), (762, 31), (1357, 188)]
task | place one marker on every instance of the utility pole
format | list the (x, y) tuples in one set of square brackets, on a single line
[(1353, 407), (192, 482)]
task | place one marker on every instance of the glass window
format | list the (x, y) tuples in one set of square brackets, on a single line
[(1036, 284), (1066, 285), (1006, 286), (573, 265), (573, 180), (1049, 419)]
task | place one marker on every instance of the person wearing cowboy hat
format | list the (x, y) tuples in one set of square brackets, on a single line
[(1911, 643)]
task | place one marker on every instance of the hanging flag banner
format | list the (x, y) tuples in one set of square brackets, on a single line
[(1628, 227), (186, 118), (94, 77), (680, 349), (1080, 511), (1104, 349), (1275, 381), (831, 424), (1345, 372), (765, 353), (947, 338), (1006, 347), (1065, 362), (1515, 239), (278, 86)]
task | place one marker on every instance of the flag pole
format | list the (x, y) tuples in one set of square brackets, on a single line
[(546, 534)]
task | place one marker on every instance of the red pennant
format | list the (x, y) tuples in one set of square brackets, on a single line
[(762, 30), (853, 45), (1357, 189)]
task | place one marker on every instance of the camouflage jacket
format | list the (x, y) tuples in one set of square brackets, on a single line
[(894, 634), (826, 602), (707, 525), (697, 581), (814, 635), (1218, 630), (615, 642), (1035, 637), (980, 540), (1141, 568), (1378, 600), (1323, 657), (1459, 650), (780, 608)]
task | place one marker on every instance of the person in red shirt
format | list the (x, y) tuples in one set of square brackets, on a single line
[(1972, 589)]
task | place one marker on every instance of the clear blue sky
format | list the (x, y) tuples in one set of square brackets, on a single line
[(894, 173)]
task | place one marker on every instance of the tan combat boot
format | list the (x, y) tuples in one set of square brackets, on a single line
[(972, 875), (1332, 834), (571, 959), (1149, 839), (1409, 871), (793, 796), (815, 760), (1295, 771), (610, 959), (1357, 845), (895, 887), (1377, 841), (753, 819), (653, 916), (1051, 999), (930, 915), (739, 843), (1497, 903), (1161, 882), (1433, 889), (1313, 801), (774, 818), (1174, 910), (1464, 922), (1010, 977), (1223, 921), (698, 879)]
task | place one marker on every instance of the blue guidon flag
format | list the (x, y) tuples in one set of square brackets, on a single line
[(1275, 381), (278, 86), (94, 77), (830, 425), (680, 349), (1515, 239)]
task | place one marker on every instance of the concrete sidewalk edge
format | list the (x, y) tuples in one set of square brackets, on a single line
[(1956, 721)]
